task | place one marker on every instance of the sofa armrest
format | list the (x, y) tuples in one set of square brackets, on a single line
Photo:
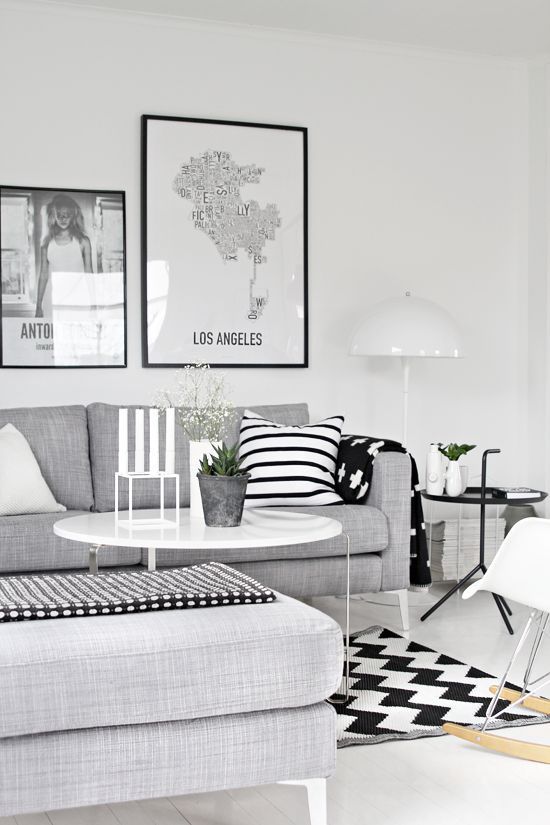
[(390, 492)]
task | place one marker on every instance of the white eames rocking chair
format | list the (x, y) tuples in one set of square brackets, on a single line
[(520, 572)]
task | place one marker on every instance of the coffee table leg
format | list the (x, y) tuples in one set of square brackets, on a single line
[(92, 557), (151, 558), (347, 645)]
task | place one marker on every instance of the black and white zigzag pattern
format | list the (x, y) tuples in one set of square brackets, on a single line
[(62, 595), (289, 465), (403, 690)]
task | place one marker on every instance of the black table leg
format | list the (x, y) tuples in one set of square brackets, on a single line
[(448, 595), (499, 602), (506, 606), (503, 601)]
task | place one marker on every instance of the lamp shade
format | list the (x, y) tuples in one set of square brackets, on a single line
[(408, 326)]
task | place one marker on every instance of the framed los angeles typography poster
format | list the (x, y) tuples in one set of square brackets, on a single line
[(63, 298), (224, 233)]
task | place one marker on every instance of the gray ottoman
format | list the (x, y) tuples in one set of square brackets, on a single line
[(118, 708)]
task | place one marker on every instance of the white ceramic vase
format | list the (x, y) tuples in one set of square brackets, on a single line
[(435, 472), (453, 479), (196, 451)]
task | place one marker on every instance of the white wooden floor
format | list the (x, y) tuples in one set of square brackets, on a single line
[(438, 781)]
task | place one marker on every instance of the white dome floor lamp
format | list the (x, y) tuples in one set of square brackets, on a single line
[(406, 328)]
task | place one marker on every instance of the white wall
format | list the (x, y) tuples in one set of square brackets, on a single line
[(418, 180)]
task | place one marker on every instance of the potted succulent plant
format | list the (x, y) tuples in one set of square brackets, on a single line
[(455, 482), (222, 483)]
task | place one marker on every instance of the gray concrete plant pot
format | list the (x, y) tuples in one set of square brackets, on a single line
[(222, 499)]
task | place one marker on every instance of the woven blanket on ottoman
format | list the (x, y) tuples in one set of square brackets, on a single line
[(82, 594)]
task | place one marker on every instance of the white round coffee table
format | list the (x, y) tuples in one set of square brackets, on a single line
[(260, 527)]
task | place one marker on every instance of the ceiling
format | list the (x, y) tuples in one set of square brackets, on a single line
[(508, 28)]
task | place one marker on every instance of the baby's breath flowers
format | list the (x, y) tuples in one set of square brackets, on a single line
[(199, 398)]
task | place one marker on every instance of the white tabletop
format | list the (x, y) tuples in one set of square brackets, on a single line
[(260, 527)]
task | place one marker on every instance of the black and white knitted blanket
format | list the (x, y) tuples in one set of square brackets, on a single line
[(62, 595), (354, 468)]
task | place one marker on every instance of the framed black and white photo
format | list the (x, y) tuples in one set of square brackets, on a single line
[(224, 233), (63, 277)]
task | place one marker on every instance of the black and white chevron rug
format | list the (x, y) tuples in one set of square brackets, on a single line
[(403, 690)]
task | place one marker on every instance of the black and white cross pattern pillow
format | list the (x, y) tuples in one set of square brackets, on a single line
[(290, 465)]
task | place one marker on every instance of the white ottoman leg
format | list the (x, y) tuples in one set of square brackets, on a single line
[(316, 798)]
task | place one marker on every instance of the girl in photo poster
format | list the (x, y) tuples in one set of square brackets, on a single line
[(65, 252)]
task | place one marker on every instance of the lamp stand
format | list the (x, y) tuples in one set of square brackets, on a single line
[(406, 364)]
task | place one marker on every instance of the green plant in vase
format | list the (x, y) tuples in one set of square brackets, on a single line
[(454, 451), (455, 484)]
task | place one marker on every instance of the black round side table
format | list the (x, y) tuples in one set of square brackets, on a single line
[(482, 496)]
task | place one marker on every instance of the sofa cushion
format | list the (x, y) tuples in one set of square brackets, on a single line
[(103, 426), (366, 526), (58, 437), (28, 543), (308, 578), (152, 667)]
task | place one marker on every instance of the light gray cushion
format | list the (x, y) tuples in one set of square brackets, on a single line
[(181, 664), (306, 578), (117, 764), (28, 543), (366, 526), (58, 437), (103, 426)]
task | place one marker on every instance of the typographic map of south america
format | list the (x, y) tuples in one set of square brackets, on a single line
[(212, 182)]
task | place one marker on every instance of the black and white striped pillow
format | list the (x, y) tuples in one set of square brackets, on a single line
[(289, 465)]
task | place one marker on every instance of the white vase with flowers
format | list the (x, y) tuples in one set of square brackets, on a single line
[(203, 412)]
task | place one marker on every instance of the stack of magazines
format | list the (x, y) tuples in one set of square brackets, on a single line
[(454, 550)]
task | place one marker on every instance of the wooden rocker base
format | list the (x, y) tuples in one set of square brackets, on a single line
[(500, 744), (536, 703)]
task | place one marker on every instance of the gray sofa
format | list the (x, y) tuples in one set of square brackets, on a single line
[(116, 708), (76, 448)]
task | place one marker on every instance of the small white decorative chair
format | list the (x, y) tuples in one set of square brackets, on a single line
[(153, 471), (520, 572)]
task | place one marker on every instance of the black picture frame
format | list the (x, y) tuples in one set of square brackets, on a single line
[(204, 353), (23, 305)]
